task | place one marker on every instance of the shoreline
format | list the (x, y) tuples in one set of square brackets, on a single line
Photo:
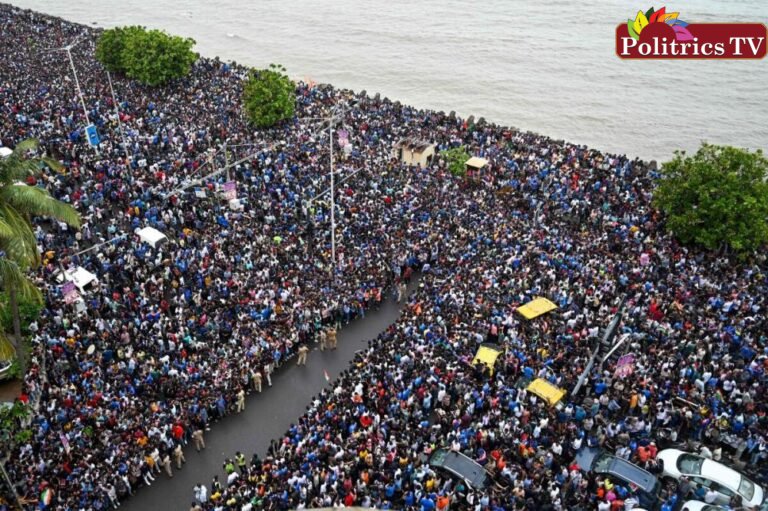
[(175, 335), (298, 77)]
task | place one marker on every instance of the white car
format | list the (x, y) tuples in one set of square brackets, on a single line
[(711, 475), (5, 369), (697, 505)]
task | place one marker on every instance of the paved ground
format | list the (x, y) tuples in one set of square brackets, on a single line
[(9, 390), (266, 416)]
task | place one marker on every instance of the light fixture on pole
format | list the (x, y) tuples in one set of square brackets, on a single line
[(90, 130), (117, 113), (337, 113)]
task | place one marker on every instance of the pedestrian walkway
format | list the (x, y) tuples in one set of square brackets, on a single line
[(267, 415)]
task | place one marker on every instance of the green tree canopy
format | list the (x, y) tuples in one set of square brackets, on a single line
[(269, 96), (18, 246), (456, 160), (111, 44), (149, 56), (716, 198)]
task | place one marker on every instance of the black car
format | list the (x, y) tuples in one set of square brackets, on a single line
[(645, 485), (459, 465)]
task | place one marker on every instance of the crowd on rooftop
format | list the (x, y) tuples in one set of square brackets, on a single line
[(180, 331)]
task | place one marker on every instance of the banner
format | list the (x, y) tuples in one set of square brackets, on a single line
[(229, 190), (625, 366), (70, 293), (64, 442), (200, 193), (92, 134), (343, 137)]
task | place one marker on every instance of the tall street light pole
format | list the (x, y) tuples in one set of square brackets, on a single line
[(333, 200), (68, 49), (336, 113), (117, 113)]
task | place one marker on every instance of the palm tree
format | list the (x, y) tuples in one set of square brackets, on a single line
[(18, 246)]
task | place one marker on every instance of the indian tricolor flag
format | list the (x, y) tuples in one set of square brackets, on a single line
[(46, 496)]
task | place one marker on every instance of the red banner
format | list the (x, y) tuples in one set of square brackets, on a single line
[(694, 41)]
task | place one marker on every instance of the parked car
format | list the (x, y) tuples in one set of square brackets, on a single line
[(5, 369), (461, 466), (697, 505), (710, 474), (645, 485)]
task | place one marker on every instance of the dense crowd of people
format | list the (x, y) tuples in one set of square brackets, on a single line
[(171, 337)]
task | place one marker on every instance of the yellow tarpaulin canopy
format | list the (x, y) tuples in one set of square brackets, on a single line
[(546, 391), (536, 308), (487, 354)]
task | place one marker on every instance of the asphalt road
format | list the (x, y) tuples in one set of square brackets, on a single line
[(266, 416)]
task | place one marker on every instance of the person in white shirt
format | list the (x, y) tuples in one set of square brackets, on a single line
[(711, 496)]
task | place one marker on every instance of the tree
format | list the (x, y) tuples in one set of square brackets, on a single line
[(110, 47), (152, 57), (269, 96), (18, 246), (716, 198), (456, 160), (11, 423)]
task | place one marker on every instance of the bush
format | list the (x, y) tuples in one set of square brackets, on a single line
[(716, 198), (29, 311), (149, 56), (456, 160), (11, 419), (110, 47), (269, 96)]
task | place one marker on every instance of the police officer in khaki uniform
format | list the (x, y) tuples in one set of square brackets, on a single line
[(257, 380), (178, 456), (323, 337), (198, 440), (303, 350)]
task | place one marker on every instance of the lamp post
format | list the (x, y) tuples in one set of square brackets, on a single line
[(337, 113), (68, 49), (608, 336), (199, 181), (117, 113), (333, 199)]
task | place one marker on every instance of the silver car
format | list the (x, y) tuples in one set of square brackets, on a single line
[(712, 475), (5, 369)]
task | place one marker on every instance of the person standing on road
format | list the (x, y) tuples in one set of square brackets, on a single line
[(166, 464), (229, 466), (198, 440), (303, 350), (402, 290), (268, 373), (241, 462), (240, 400), (216, 485), (332, 340), (178, 456), (256, 380), (323, 340)]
